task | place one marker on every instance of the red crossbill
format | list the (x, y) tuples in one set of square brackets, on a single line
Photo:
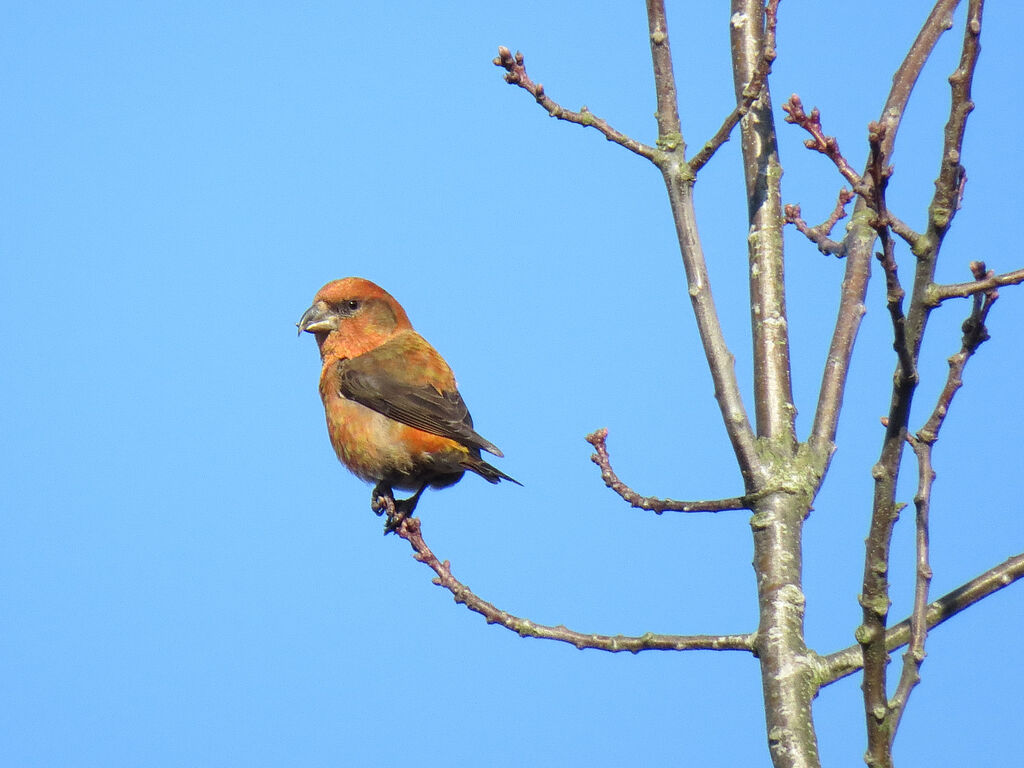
[(394, 415)]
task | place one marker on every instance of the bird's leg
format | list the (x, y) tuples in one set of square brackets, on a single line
[(407, 506), (403, 509)]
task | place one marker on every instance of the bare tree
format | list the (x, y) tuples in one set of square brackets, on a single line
[(782, 474)]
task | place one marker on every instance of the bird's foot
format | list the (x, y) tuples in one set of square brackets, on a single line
[(395, 519), (382, 500), (395, 511)]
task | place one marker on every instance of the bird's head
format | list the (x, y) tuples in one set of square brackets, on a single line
[(352, 316)]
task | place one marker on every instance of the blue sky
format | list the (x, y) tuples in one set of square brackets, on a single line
[(188, 577)]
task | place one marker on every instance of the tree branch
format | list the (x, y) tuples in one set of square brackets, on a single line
[(516, 75), (949, 184), (679, 184), (902, 229), (603, 460), (939, 293), (751, 92), (669, 156), (410, 529), (819, 142), (880, 173), (974, 335), (787, 671), (880, 718), (670, 136), (752, 41), (910, 674), (819, 235), (860, 240), (840, 664)]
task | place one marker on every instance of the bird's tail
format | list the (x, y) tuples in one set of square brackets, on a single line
[(488, 472)]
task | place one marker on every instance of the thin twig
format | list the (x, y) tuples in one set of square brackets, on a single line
[(819, 142), (750, 93), (599, 438), (840, 664), (975, 334), (515, 73), (910, 675), (881, 172), (410, 529), (902, 229), (949, 187), (819, 235), (939, 293)]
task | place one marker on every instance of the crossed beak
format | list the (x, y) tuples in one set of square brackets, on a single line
[(318, 319)]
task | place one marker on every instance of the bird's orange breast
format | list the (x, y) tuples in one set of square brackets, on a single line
[(375, 447)]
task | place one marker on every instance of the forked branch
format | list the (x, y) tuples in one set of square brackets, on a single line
[(939, 293), (750, 93), (840, 664), (859, 242), (882, 714), (819, 235), (974, 335)]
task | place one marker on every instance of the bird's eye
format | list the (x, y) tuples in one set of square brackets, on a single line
[(351, 305)]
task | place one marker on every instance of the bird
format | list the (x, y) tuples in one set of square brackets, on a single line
[(394, 414)]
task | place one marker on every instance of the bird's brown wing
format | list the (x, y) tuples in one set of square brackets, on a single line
[(379, 380)]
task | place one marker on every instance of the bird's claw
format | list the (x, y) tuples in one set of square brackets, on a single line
[(394, 521), (383, 505), (383, 502), (395, 511)]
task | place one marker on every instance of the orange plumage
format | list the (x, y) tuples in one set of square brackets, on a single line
[(394, 414)]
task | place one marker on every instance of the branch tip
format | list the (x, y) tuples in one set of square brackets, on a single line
[(819, 141), (598, 438), (515, 74), (819, 235)]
